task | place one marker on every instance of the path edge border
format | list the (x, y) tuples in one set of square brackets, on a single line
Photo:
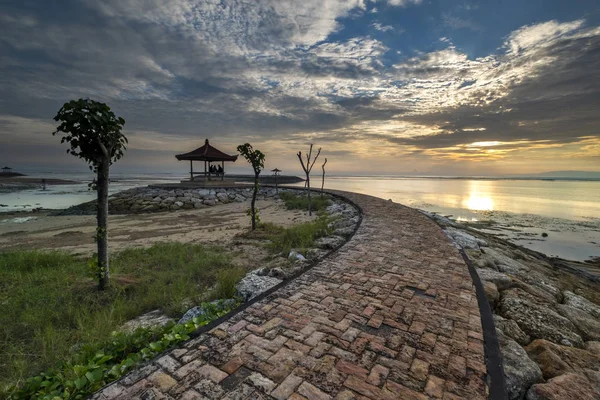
[(491, 345)]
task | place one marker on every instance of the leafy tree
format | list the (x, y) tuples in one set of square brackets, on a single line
[(323, 179), (257, 159), (307, 168), (94, 133)]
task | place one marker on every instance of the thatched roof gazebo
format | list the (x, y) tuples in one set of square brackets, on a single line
[(209, 155), (6, 169)]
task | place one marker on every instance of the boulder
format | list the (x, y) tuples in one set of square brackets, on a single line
[(149, 320), (505, 263), (212, 307), (511, 329), (491, 293), (537, 319), (209, 202), (567, 386), (463, 239), (329, 242), (252, 285), (573, 300), (520, 371), (555, 359), (345, 232), (294, 255), (502, 281), (313, 254), (588, 326)]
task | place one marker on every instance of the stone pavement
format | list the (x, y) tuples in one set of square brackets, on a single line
[(392, 315)]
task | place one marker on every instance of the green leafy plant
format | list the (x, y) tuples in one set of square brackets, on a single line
[(257, 159), (94, 135), (99, 365)]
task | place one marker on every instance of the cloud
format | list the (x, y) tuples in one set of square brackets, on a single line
[(455, 22), (269, 71), (382, 28)]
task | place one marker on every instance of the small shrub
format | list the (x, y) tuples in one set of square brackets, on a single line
[(299, 237), (295, 202)]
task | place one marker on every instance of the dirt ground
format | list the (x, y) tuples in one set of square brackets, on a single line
[(212, 225)]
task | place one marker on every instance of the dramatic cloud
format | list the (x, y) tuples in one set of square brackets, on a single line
[(282, 73)]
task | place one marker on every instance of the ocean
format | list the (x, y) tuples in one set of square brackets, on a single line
[(556, 217)]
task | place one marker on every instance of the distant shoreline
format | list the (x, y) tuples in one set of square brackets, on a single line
[(22, 182)]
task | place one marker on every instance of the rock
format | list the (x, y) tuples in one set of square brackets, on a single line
[(178, 204), (588, 326), (169, 200), (329, 242), (342, 223), (344, 232), (505, 263), (573, 300), (313, 254), (519, 370), (537, 319), (555, 359), (443, 221), (252, 285), (567, 386), (535, 291), (464, 240), (294, 255), (213, 306), (151, 319), (491, 293), (511, 329), (502, 281), (209, 202), (594, 347), (277, 273)]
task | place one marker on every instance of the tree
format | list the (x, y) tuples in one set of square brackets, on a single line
[(307, 168), (257, 159), (94, 133), (323, 180)]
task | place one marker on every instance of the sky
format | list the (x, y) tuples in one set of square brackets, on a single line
[(443, 87)]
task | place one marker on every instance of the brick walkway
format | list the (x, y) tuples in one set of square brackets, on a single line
[(392, 315)]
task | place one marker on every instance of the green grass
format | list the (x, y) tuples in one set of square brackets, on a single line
[(299, 237), (300, 202), (50, 308)]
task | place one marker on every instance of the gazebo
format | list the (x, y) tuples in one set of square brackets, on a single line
[(209, 155), (6, 169)]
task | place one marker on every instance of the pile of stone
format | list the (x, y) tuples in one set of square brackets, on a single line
[(345, 218), (549, 332), (151, 199)]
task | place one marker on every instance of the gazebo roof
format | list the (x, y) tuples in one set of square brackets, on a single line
[(206, 153), (6, 167)]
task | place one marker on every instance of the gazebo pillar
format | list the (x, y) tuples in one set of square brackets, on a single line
[(191, 171), (205, 170)]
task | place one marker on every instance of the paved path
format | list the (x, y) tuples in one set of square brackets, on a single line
[(392, 315)]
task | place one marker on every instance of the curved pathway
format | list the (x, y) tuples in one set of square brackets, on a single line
[(392, 315)]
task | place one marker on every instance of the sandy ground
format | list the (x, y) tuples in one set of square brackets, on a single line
[(215, 225)]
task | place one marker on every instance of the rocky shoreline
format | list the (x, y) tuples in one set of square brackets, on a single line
[(547, 319), (153, 199)]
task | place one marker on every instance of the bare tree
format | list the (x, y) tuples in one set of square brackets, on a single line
[(323, 179), (307, 168)]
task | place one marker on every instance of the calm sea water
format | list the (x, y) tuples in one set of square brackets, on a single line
[(519, 210)]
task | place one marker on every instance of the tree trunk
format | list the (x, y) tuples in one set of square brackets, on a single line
[(308, 188), (323, 181), (254, 193), (102, 231)]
